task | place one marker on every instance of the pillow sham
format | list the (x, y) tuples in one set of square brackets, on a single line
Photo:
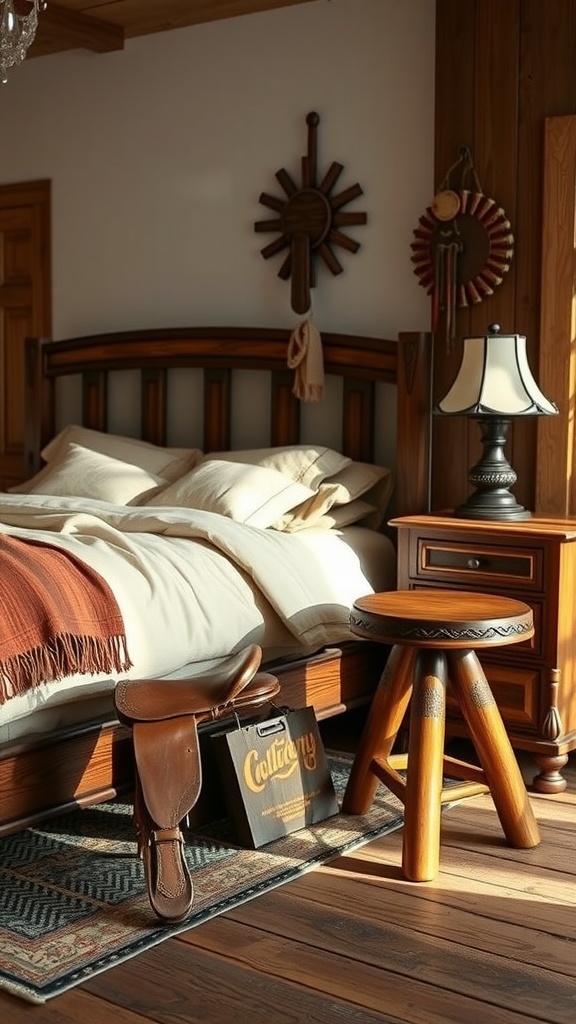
[(339, 516), (374, 484), (83, 473), (306, 464), (255, 495), (336, 517), (170, 463), (309, 512), (356, 480)]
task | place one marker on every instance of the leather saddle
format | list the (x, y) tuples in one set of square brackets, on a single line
[(164, 715)]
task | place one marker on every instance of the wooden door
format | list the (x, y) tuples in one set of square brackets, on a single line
[(25, 307)]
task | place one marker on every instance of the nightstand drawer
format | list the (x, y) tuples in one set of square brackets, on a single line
[(457, 562), (516, 691)]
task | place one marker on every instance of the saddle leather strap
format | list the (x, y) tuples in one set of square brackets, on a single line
[(164, 715)]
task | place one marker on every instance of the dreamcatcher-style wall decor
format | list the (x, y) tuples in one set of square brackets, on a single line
[(309, 221), (463, 245)]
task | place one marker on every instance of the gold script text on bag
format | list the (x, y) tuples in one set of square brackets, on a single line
[(276, 776), (282, 757)]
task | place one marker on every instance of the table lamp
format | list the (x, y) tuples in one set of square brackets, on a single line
[(494, 383)]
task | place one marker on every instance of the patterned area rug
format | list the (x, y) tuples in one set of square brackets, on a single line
[(73, 901)]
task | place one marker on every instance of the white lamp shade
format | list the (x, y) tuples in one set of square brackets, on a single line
[(495, 379)]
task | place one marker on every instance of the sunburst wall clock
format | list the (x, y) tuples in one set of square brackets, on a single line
[(309, 221)]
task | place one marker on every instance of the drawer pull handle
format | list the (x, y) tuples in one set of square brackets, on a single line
[(474, 563)]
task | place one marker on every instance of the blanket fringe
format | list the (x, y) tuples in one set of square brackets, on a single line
[(63, 655)]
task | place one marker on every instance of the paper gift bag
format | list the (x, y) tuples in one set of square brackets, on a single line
[(275, 776)]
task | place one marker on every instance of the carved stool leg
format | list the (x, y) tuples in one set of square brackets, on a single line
[(384, 720), (489, 736), (421, 842)]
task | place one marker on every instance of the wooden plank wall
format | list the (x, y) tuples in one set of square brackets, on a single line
[(556, 450), (502, 68)]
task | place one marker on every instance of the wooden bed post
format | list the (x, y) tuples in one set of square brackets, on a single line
[(414, 422), (38, 404)]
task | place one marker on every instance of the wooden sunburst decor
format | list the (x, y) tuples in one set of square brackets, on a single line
[(309, 221)]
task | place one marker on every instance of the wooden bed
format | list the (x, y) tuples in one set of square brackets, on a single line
[(91, 762)]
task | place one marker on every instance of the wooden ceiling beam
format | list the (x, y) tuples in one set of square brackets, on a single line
[(62, 29)]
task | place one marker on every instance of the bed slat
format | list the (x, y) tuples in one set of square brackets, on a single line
[(284, 412), (217, 405), (95, 399), (153, 405)]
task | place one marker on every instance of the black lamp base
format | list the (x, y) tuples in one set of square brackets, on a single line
[(497, 509), (492, 477)]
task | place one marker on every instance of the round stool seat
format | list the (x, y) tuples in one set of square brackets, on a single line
[(444, 619)]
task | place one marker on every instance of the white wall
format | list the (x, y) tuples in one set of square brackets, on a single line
[(158, 154)]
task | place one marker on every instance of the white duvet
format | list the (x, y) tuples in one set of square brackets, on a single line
[(194, 586)]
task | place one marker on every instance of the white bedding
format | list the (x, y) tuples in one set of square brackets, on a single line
[(193, 586)]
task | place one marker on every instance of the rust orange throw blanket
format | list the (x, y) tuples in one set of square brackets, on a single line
[(58, 617)]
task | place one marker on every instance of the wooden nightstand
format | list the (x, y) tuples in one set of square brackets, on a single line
[(534, 682)]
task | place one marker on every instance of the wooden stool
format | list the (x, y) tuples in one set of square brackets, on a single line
[(434, 634)]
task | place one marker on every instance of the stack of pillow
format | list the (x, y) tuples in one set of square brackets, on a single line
[(283, 488)]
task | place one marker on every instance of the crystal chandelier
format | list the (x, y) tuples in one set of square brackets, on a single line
[(17, 32)]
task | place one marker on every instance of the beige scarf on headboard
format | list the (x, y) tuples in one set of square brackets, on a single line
[(305, 357)]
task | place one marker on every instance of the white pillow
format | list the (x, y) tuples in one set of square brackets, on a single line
[(372, 483), (332, 517), (169, 463), (358, 479), (309, 512), (339, 516), (249, 494), (82, 473), (307, 464)]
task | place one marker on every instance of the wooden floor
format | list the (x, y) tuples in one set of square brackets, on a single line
[(491, 941)]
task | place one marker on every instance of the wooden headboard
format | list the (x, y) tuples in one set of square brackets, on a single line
[(362, 362)]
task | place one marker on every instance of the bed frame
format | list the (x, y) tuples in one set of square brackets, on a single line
[(90, 763)]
